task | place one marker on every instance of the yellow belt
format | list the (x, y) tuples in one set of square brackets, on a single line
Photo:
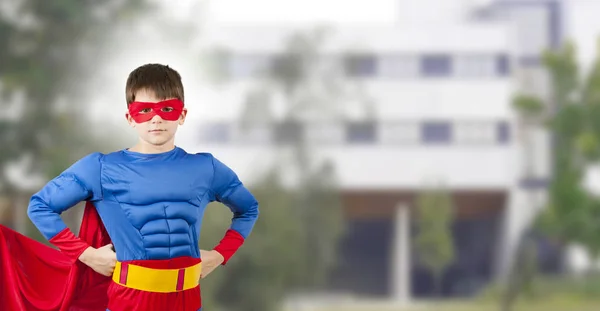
[(157, 280)]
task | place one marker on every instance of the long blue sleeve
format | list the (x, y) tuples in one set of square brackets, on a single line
[(78, 183), (229, 190)]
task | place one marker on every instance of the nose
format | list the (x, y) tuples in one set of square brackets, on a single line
[(156, 119)]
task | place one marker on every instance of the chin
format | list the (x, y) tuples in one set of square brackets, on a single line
[(158, 141)]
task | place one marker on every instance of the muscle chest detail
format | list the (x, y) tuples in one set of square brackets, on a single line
[(150, 183), (165, 195)]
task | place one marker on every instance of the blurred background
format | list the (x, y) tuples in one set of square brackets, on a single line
[(407, 154)]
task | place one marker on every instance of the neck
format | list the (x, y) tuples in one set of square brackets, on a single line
[(144, 147)]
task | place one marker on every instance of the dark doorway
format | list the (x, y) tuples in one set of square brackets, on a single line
[(363, 260), (475, 246)]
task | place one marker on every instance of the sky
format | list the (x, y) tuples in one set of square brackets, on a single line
[(305, 11), (583, 26)]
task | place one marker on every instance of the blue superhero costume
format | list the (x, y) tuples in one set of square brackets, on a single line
[(152, 206)]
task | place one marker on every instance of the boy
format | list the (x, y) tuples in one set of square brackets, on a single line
[(151, 200)]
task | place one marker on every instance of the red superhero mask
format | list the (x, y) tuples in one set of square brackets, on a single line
[(169, 110)]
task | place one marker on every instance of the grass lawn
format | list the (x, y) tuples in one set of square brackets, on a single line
[(546, 294), (542, 305)]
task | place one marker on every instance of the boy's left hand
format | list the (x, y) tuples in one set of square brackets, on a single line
[(210, 261)]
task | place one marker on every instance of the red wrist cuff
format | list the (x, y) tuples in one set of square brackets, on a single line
[(230, 243), (69, 244)]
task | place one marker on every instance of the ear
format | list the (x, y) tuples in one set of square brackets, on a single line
[(129, 119), (183, 115)]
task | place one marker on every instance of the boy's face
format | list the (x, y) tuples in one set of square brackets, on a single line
[(156, 131)]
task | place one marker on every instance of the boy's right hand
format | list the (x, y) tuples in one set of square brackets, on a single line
[(101, 260)]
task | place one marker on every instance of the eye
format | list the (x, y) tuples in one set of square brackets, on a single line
[(167, 109), (145, 110)]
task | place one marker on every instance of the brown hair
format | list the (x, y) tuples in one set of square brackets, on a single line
[(164, 81)]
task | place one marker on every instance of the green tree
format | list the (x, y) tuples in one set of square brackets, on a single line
[(434, 243), (48, 51), (45, 63), (293, 245), (572, 210), (310, 92), (572, 116)]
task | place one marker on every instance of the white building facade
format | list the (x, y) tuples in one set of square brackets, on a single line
[(435, 105)]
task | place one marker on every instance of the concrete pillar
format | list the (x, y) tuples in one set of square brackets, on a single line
[(522, 207), (401, 254)]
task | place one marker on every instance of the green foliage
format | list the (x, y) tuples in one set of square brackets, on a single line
[(215, 64), (576, 288), (573, 213), (564, 72), (293, 244), (48, 50), (528, 106), (297, 65), (434, 242), (574, 120), (280, 254), (587, 143)]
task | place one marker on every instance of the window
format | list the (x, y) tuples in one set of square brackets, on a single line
[(399, 133), (530, 61), (360, 132), (399, 66), (289, 66), (533, 183), (360, 65), (325, 133), (436, 132), (475, 66), (474, 132), (436, 66), (503, 132), (254, 133), (502, 65), (288, 132)]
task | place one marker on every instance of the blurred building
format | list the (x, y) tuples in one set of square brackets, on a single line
[(433, 104)]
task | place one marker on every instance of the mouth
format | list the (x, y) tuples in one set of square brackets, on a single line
[(156, 131)]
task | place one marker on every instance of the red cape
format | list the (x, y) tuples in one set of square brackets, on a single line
[(36, 277)]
